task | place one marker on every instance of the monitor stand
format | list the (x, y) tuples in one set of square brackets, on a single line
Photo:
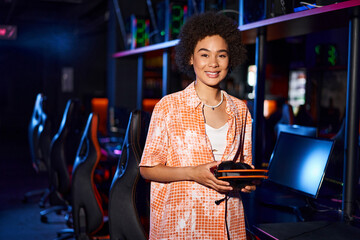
[(276, 197)]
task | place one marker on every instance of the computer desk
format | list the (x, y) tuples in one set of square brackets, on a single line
[(319, 230)]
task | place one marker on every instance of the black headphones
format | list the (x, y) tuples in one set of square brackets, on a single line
[(239, 174)]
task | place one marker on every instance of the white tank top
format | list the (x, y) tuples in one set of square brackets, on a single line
[(217, 138)]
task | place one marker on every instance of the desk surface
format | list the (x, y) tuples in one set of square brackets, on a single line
[(307, 231)]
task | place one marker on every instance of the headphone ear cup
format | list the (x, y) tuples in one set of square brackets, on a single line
[(230, 165), (226, 165), (241, 165)]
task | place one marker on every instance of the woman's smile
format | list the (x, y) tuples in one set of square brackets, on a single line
[(212, 74)]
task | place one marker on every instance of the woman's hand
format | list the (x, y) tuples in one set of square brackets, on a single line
[(250, 188), (203, 174)]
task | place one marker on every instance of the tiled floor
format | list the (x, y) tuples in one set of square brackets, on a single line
[(20, 220)]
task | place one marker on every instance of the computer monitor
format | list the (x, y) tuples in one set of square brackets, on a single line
[(297, 88), (296, 129), (299, 162)]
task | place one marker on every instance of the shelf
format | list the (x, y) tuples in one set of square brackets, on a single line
[(289, 25), (152, 74), (145, 49), (301, 23)]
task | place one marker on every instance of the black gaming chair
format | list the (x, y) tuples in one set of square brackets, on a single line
[(62, 156), (39, 134), (88, 213), (129, 193)]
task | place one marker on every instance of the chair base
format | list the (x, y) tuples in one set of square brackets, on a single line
[(66, 233), (55, 209), (69, 233), (44, 193)]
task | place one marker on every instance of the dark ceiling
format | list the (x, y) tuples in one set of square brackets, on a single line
[(14, 12)]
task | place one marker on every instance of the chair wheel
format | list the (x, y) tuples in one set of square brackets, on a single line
[(41, 204), (69, 222), (43, 218)]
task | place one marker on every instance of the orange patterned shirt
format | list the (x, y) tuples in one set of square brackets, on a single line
[(177, 138)]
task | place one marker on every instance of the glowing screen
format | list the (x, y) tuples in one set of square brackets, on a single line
[(299, 162)]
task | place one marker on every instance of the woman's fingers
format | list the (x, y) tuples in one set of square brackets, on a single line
[(248, 188), (203, 174)]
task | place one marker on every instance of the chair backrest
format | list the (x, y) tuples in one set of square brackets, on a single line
[(129, 204), (296, 129), (100, 107), (86, 201), (45, 137), (63, 150), (39, 134)]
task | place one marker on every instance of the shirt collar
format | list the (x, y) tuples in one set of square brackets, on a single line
[(192, 100), (190, 97)]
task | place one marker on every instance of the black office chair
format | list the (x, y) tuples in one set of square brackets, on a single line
[(39, 135), (62, 156), (88, 213), (130, 193)]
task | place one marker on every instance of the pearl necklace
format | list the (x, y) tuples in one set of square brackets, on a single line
[(217, 105)]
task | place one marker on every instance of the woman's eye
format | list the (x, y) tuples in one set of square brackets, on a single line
[(223, 56), (204, 55)]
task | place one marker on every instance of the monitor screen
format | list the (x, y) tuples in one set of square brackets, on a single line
[(296, 129), (297, 88), (299, 162)]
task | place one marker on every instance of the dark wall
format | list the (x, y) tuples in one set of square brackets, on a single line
[(54, 35), (34, 62)]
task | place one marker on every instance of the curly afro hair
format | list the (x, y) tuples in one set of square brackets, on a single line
[(201, 26)]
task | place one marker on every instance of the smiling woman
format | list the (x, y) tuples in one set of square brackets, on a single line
[(192, 132), (212, 24)]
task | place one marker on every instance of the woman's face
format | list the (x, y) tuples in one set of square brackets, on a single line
[(210, 60)]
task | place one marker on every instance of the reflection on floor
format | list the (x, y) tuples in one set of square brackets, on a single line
[(18, 220)]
